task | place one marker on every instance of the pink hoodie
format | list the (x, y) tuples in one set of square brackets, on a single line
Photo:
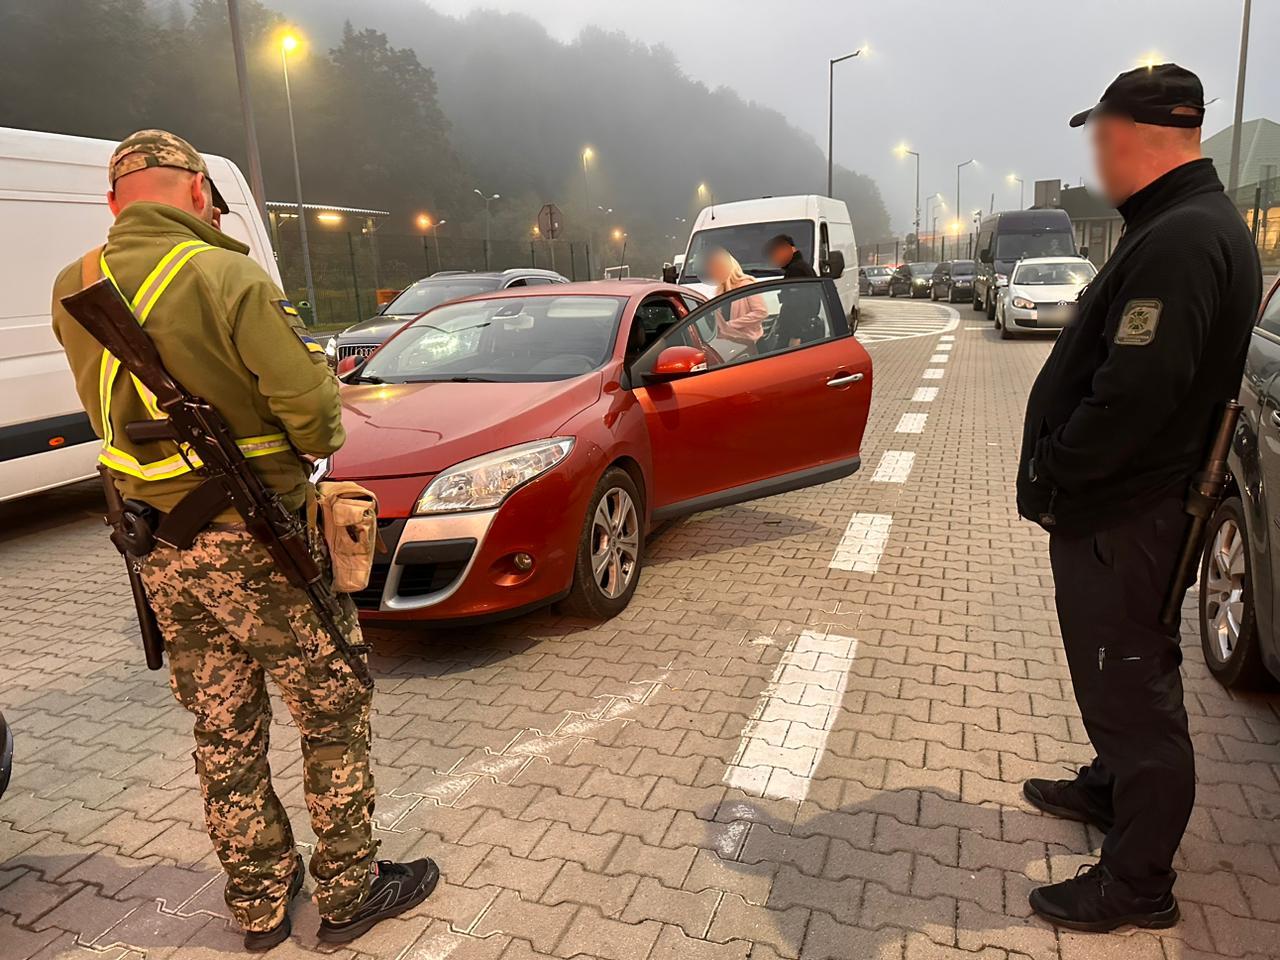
[(746, 320)]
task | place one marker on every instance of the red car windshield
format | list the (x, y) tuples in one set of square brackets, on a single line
[(515, 339)]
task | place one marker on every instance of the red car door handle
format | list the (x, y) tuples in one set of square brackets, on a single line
[(845, 380)]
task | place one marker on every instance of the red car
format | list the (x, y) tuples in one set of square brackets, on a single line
[(522, 443)]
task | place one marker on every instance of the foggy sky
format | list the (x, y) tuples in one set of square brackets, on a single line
[(995, 80)]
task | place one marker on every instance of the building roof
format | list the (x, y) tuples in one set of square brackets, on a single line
[(286, 206), (1259, 148), (1082, 204)]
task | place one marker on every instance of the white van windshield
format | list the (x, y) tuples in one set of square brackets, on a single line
[(746, 242)]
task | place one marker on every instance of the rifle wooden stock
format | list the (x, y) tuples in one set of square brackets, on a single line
[(202, 431), (1202, 500)]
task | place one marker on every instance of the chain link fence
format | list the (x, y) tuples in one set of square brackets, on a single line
[(350, 268)]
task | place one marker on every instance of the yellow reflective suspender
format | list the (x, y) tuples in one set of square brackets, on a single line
[(142, 304)]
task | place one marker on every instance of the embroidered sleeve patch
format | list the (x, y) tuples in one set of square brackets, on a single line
[(1138, 323), (287, 308), (313, 345)]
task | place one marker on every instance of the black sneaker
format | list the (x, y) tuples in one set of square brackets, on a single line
[(397, 888), (1095, 902), (258, 941), (1067, 799)]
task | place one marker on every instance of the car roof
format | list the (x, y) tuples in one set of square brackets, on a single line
[(588, 288), (493, 274), (1054, 260)]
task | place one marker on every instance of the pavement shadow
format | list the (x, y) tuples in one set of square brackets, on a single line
[(886, 866), (736, 527), (61, 507)]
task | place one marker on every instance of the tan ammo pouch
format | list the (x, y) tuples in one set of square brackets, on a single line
[(349, 518)]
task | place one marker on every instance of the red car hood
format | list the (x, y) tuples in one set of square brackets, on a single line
[(408, 429)]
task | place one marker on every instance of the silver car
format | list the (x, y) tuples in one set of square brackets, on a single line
[(361, 339), (1041, 294)]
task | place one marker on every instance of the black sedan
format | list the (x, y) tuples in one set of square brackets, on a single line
[(361, 339), (912, 280), (953, 281), (1239, 602)]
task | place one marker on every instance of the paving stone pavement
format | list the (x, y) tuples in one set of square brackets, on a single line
[(805, 737)]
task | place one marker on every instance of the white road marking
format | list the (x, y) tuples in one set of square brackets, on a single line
[(940, 358), (863, 543), (947, 338), (924, 395), (984, 327), (894, 467), (786, 736), (911, 423), (903, 321), (933, 373), (945, 347)]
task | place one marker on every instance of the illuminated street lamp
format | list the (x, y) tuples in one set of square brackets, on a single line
[(427, 225), (289, 43), (1022, 190), (620, 236), (903, 150), (487, 219), (704, 193)]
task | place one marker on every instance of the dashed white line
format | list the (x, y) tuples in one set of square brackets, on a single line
[(933, 373), (940, 358), (911, 423), (984, 327), (945, 347), (894, 467), (947, 337), (786, 736), (863, 543), (924, 395)]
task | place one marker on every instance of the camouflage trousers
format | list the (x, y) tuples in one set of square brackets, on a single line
[(230, 620)]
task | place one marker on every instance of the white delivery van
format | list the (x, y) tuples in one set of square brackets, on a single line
[(820, 227), (53, 208)]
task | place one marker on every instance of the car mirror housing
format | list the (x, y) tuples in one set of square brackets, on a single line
[(346, 365), (677, 362), (835, 265)]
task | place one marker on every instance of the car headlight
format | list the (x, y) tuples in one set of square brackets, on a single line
[(484, 482), (331, 348), (1022, 303)]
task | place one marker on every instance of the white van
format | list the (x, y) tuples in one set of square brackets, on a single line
[(820, 227), (53, 208)]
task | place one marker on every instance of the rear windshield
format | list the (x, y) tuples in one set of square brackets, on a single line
[(746, 242), (919, 268), (962, 268), (426, 294), (510, 339)]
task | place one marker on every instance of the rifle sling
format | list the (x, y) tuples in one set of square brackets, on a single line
[(194, 512)]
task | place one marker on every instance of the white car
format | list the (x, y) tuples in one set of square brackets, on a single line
[(1041, 294)]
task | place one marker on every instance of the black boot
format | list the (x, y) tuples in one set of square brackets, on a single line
[(1068, 799), (258, 941), (1095, 902), (397, 887)]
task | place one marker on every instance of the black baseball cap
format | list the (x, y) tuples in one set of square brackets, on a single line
[(781, 240), (1163, 95)]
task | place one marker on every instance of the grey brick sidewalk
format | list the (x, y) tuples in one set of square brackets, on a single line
[(793, 744)]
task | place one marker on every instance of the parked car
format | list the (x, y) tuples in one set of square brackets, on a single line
[(912, 280), (1239, 596), (1041, 294), (361, 339), (6, 755), (952, 281), (1013, 235), (873, 281), (522, 443)]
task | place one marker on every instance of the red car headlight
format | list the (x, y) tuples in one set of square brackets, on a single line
[(484, 482)]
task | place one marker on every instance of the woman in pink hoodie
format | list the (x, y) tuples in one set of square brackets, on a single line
[(744, 322)]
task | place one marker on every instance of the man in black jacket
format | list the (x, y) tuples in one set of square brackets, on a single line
[(799, 313), (1117, 423)]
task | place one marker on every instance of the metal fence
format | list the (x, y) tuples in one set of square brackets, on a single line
[(349, 268)]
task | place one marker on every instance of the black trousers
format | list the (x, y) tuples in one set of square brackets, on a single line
[(1124, 664)]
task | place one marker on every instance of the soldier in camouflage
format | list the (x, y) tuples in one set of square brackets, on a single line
[(229, 618)]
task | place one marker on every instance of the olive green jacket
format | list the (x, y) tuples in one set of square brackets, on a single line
[(226, 333)]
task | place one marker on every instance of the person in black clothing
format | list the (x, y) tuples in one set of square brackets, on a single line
[(1117, 423), (799, 314)]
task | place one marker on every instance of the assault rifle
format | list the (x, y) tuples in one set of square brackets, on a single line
[(1202, 500), (206, 442)]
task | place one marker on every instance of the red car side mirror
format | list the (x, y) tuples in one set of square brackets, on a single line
[(676, 362), (346, 365)]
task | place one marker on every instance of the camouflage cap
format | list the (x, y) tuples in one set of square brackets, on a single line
[(159, 148)]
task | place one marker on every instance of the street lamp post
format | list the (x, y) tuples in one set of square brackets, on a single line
[(246, 109), (588, 154), (905, 151), (429, 226), (487, 219), (1022, 191), (1233, 175), (831, 111), (934, 207), (289, 43), (959, 167)]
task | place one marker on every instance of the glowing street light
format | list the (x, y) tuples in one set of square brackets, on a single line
[(289, 43), (1022, 190), (427, 225), (903, 151)]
